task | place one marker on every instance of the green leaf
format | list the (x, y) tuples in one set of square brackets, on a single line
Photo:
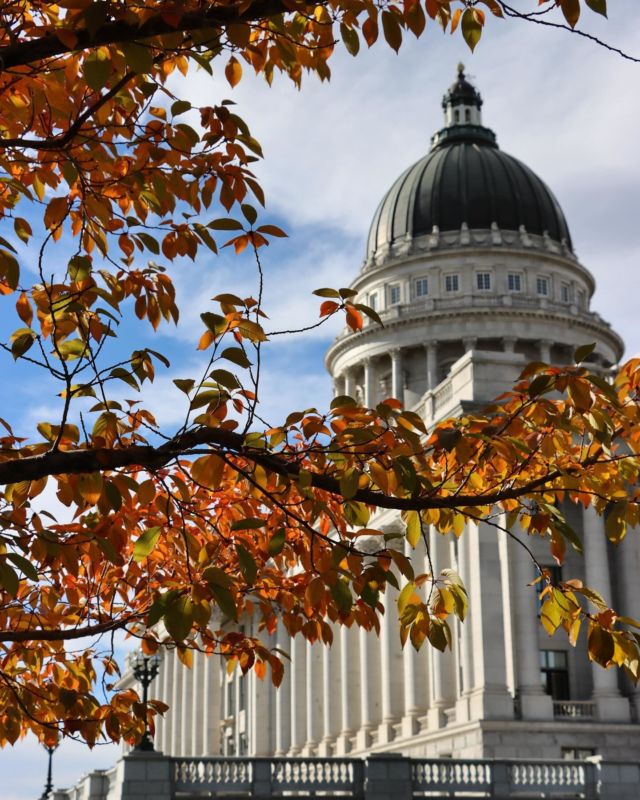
[(583, 352), (224, 599), (599, 6), (225, 378), (180, 107), (327, 293), (251, 523), (225, 224), (341, 594), (277, 542), (178, 619), (251, 215), (349, 483), (138, 57), (72, 349), (471, 29), (9, 579), (9, 269), (97, 70), (184, 384), (350, 39), (145, 544), (248, 566), (404, 596), (414, 528), (237, 355), (22, 343), (24, 565), (215, 576)]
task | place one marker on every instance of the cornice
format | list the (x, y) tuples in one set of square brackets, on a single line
[(372, 332)]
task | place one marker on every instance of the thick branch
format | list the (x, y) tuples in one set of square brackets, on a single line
[(29, 52), (100, 459), (64, 634)]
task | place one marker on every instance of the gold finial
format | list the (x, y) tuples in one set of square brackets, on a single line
[(461, 69)]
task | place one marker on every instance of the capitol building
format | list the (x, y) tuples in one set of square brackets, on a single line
[(471, 266)]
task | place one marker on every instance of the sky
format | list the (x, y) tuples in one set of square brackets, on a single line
[(565, 107)]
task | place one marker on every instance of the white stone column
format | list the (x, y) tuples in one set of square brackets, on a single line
[(369, 382), (432, 364), (196, 679), (490, 698), (185, 710), (283, 697), (349, 383), (211, 706), (611, 705), (314, 697), (545, 350), (259, 715), (397, 388), (535, 703), (298, 695), (466, 646), (409, 668), (363, 735), (627, 561), (330, 697), (176, 711), (391, 664), (441, 665), (164, 694), (346, 697)]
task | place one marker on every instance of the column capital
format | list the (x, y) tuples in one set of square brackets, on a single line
[(431, 344), (469, 342)]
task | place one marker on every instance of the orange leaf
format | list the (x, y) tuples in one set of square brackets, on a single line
[(354, 318), (328, 307), (233, 71)]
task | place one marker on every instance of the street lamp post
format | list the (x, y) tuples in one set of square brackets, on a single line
[(48, 787), (145, 669)]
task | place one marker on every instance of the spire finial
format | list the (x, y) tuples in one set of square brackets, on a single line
[(460, 69)]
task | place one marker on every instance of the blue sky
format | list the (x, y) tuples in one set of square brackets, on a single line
[(562, 105)]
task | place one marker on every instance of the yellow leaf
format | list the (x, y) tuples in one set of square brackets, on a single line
[(207, 471), (233, 71)]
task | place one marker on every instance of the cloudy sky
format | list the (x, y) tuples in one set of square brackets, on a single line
[(561, 104)]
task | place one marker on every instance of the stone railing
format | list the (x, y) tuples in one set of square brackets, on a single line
[(382, 776), (447, 776), (267, 777), (575, 710)]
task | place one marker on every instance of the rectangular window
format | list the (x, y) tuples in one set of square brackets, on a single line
[(373, 301), (451, 283), (577, 753), (422, 287), (582, 299), (483, 281), (554, 673), (514, 282), (394, 294), (565, 295), (542, 286)]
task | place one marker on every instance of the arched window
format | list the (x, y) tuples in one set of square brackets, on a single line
[(457, 116), (467, 115)]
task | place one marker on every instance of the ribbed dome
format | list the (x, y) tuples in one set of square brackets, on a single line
[(466, 178)]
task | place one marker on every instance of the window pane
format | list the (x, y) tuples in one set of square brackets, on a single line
[(394, 294), (542, 286), (451, 283), (483, 280), (514, 282), (422, 287), (564, 292), (373, 301)]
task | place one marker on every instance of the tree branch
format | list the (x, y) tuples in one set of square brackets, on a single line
[(147, 457), (62, 634), (23, 53)]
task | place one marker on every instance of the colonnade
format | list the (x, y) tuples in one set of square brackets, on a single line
[(365, 691)]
